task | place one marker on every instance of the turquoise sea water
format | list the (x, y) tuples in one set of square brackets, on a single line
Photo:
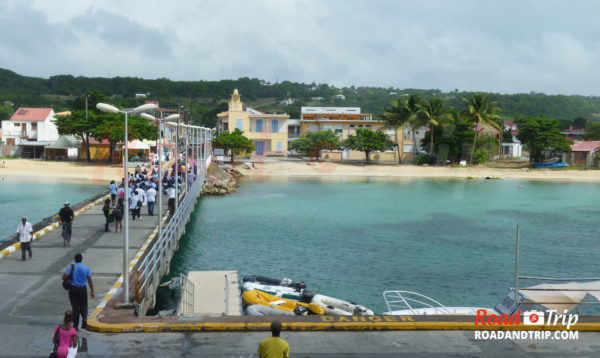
[(453, 240), (37, 200)]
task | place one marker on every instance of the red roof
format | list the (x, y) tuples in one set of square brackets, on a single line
[(31, 114), (586, 146)]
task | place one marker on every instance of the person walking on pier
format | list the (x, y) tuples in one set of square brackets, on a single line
[(274, 347), (171, 195), (113, 192), (78, 291), (118, 214), (151, 199), (65, 336), (106, 211), (24, 230)]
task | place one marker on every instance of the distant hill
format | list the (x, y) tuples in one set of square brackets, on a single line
[(204, 98)]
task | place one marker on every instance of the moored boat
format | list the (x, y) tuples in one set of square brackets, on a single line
[(335, 306), (256, 297), (285, 288)]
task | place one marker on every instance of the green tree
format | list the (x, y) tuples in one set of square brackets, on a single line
[(394, 119), (541, 133), (592, 131), (579, 123), (76, 124), (312, 143), (235, 142), (112, 128), (432, 113), (367, 141), (411, 109), (481, 111), (454, 134), (6, 111)]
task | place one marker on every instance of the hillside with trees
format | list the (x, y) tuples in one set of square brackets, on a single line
[(203, 99)]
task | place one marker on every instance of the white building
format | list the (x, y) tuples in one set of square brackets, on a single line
[(28, 131)]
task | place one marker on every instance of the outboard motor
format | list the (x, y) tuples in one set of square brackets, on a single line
[(301, 311), (306, 296), (300, 286)]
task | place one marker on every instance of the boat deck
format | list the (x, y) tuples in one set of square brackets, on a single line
[(216, 293)]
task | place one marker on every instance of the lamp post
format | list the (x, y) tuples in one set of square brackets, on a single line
[(104, 107), (159, 150)]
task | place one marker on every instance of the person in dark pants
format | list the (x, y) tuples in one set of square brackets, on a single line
[(106, 211), (24, 230), (78, 290)]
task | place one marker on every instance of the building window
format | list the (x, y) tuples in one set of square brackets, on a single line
[(275, 126), (279, 146), (352, 126), (238, 124), (17, 124), (368, 126), (259, 125)]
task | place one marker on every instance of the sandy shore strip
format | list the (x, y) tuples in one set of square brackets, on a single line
[(69, 172), (332, 171), (77, 172)]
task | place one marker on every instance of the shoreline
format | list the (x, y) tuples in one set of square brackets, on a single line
[(100, 174), (338, 171)]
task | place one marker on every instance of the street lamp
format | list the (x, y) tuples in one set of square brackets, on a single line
[(159, 152), (104, 107)]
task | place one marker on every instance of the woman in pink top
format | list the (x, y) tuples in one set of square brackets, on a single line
[(65, 335)]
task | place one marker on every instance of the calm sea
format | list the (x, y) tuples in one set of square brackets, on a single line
[(453, 240), (36, 200)]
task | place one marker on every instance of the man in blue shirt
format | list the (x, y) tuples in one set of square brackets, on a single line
[(78, 290)]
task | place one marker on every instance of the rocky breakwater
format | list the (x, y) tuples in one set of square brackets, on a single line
[(221, 180)]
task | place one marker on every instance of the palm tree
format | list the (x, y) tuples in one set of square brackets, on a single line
[(481, 111), (394, 119), (432, 113), (411, 112)]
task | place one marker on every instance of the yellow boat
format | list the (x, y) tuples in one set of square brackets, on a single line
[(255, 297)]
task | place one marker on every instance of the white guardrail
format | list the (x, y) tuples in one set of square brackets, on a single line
[(155, 262)]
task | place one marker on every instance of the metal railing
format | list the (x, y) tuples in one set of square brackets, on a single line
[(154, 264), (226, 310), (187, 297)]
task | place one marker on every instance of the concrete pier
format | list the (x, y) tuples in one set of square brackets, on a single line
[(216, 293)]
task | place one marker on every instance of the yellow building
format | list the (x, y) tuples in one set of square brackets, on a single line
[(269, 132), (345, 121)]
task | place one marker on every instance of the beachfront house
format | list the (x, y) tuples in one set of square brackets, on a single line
[(583, 153), (28, 131), (269, 132), (512, 149), (344, 121)]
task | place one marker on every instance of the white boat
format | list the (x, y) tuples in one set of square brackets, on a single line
[(260, 310), (335, 306), (285, 288), (406, 303)]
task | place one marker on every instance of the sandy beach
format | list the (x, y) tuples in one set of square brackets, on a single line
[(102, 173), (390, 171), (36, 170)]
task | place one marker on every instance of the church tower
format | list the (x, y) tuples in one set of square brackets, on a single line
[(235, 105)]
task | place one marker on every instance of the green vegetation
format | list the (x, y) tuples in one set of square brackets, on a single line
[(235, 142), (541, 133), (592, 131), (203, 99), (480, 111), (367, 141), (312, 143)]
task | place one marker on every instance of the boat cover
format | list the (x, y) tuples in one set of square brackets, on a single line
[(561, 296)]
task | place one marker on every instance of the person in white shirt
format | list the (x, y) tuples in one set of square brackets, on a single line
[(151, 198), (171, 195), (24, 230), (133, 205)]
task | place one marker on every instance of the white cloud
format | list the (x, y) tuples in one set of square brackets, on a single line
[(503, 46)]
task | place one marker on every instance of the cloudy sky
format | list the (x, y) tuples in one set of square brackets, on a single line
[(505, 46)]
